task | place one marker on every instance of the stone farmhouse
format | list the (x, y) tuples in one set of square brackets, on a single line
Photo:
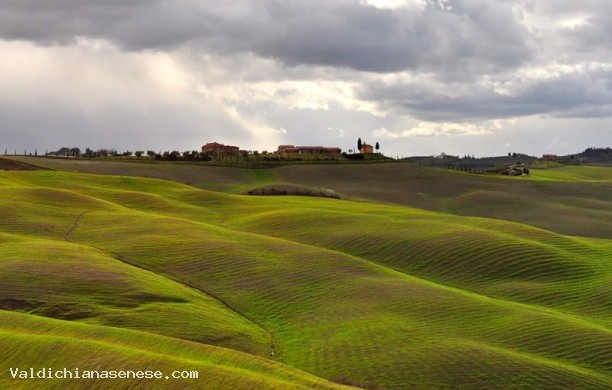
[(291, 149), (219, 150), (366, 149)]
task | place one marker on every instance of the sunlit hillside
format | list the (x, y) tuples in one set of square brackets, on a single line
[(290, 292), (571, 200)]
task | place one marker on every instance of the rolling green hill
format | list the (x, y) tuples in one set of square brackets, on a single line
[(258, 292), (573, 173), (33, 341), (570, 200)]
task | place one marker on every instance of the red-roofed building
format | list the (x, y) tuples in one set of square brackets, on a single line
[(366, 149), (291, 149), (217, 149)]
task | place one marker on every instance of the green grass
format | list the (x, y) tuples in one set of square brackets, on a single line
[(31, 341), (91, 286), (573, 173), (361, 293), (500, 259), (570, 200)]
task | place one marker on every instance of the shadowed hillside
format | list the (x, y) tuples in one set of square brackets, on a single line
[(12, 165)]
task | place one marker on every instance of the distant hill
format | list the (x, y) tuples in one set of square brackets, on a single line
[(592, 156), (472, 164)]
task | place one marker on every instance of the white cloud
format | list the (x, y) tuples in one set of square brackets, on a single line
[(383, 133), (437, 129), (395, 4), (294, 94)]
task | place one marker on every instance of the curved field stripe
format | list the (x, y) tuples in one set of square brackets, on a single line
[(28, 341), (359, 293)]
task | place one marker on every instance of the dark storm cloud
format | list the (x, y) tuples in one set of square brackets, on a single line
[(133, 25), (576, 94), (472, 36)]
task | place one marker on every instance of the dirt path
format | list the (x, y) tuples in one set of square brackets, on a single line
[(75, 226)]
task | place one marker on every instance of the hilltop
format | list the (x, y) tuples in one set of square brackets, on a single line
[(593, 156)]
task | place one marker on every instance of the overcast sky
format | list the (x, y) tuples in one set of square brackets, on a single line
[(420, 77)]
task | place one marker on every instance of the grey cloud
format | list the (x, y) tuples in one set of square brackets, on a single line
[(447, 51), (474, 36), (586, 41), (133, 25), (583, 94), (596, 35)]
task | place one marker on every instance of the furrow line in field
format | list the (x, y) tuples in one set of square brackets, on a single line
[(127, 261)]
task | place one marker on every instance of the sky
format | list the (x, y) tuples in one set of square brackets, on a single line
[(420, 77)]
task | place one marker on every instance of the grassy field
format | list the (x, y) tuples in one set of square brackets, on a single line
[(570, 200), (290, 292), (32, 341), (572, 173)]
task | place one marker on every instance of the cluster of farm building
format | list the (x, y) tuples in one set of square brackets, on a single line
[(218, 150)]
